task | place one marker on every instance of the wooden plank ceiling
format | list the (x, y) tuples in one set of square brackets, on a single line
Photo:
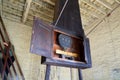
[(92, 11)]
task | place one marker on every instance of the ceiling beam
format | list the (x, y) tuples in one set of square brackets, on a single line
[(41, 12), (94, 6), (90, 12), (104, 3), (12, 5), (31, 19), (26, 10), (92, 26), (49, 2), (11, 16), (39, 4), (117, 1), (41, 17), (12, 11), (14, 2)]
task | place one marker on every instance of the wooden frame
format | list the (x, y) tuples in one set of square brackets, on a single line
[(74, 64), (42, 43)]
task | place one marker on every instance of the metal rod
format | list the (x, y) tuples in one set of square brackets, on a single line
[(61, 12), (47, 75), (80, 74)]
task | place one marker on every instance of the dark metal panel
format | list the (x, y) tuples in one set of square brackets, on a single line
[(42, 38), (70, 19)]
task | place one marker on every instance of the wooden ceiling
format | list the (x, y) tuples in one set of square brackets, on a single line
[(92, 11)]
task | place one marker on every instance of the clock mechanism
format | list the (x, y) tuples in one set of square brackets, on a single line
[(65, 41)]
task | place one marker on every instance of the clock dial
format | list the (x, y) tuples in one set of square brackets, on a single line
[(65, 41)]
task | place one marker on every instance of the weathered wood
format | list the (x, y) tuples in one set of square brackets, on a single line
[(46, 14), (72, 63), (42, 38), (95, 23), (42, 17), (11, 17), (80, 74), (12, 5), (47, 74), (50, 2), (11, 11), (4, 31), (106, 4), (117, 1), (94, 6), (39, 4), (90, 12), (26, 10)]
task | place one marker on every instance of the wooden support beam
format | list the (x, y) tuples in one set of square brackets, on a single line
[(13, 7), (39, 4), (17, 2), (80, 74), (118, 1), (104, 3), (49, 2), (41, 17), (47, 74), (92, 26), (11, 17), (85, 19), (11, 0), (90, 12), (10, 11), (26, 11), (94, 6), (13, 4), (41, 12)]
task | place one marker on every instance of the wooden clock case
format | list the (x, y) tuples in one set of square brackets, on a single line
[(45, 41)]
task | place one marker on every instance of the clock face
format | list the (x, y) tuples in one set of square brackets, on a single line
[(65, 41)]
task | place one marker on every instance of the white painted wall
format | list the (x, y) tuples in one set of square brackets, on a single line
[(105, 51)]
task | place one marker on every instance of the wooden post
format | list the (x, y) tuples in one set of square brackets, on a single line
[(47, 75), (80, 74), (26, 11)]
